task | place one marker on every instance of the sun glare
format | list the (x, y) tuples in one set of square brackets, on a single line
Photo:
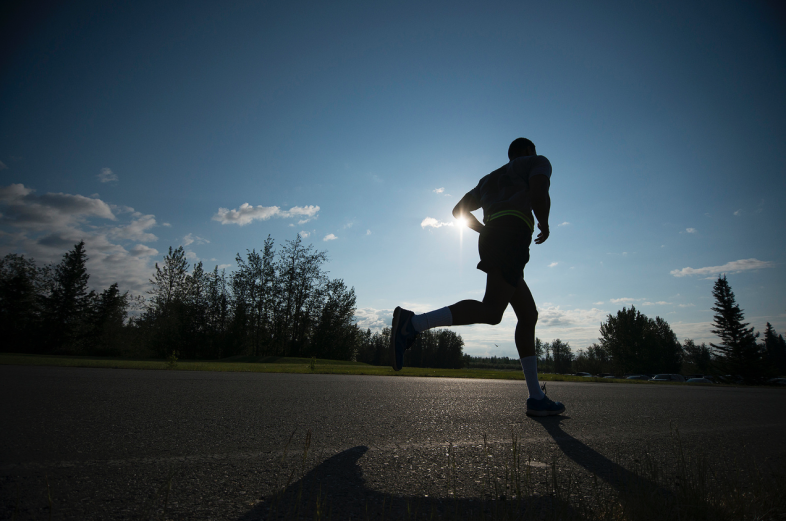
[(462, 222)]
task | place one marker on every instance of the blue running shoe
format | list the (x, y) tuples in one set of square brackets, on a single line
[(544, 407), (402, 336)]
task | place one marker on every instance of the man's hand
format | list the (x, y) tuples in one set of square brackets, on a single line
[(543, 235)]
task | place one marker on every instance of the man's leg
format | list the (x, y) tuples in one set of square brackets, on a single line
[(406, 325), (527, 313)]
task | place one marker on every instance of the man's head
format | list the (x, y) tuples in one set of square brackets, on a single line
[(521, 147)]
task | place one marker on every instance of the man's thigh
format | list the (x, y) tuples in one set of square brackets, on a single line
[(498, 292)]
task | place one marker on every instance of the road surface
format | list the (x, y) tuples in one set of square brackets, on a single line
[(118, 444)]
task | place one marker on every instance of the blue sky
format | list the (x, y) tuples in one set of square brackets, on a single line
[(136, 126)]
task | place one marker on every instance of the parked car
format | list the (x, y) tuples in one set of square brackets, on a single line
[(699, 381), (668, 378), (585, 375), (776, 381), (638, 377)]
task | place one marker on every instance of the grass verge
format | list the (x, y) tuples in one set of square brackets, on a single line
[(273, 364)]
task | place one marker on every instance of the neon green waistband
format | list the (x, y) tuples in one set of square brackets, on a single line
[(514, 213)]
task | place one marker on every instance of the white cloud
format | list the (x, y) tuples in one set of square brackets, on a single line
[(329, 237), (691, 230), (598, 303), (433, 223), (191, 239), (140, 250), (47, 226), (304, 234), (373, 319), (738, 212), (729, 267), (566, 223), (624, 300), (223, 266), (24, 209), (166, 225), (553, 264), (107, 176), (438, 190), (247, 214), (686, 305), (135, 231), (368, 232)]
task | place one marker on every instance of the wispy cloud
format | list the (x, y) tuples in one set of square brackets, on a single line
[(247, 214), (738, 212), (438, 190), (624, 300), (730, 267), (553, 264), (329, 237), (368, 232), (191, 239), (430, 222), (691, 230), (107, 176), (566, 223), (304, 234), (2, 166)]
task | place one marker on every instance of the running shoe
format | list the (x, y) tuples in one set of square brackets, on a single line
[(402, 336), (544, 407)]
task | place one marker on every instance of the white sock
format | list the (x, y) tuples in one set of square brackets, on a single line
[(529, 364), (432, 319)]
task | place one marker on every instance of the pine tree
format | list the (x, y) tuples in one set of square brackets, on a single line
[(739, 353), (68, 303), (775, 350)]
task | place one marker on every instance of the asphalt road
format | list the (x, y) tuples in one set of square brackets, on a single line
[(118, 444)]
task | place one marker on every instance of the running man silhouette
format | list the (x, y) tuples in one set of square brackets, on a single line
[(508, 196)]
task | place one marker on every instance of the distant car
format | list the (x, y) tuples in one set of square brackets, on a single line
[(638, 377), (699, 381), (585, 375), (668, 378), (610, 376), (776, 381)]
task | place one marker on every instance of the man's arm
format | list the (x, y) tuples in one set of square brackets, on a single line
[(468, 203), (541, 204)]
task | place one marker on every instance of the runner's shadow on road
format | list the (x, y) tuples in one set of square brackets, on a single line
[(609, 471), (336, 489)]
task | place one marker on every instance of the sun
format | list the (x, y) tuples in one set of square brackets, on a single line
[(462, 222)]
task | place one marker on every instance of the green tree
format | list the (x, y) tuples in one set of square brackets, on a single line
[(563, 356), (775, 350), (335, 335), (593, 360), (165, 318), (697, 357), (109, 311), (23, 288), (638, 344), (739, 353), (68, 303)]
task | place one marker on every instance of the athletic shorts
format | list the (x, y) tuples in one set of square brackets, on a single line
[(504, 244)]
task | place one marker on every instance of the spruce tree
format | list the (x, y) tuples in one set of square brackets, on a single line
[(775, 350), (739, 353), (68, 304)]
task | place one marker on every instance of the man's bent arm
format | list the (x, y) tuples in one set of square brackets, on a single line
[(541, 205), (464, 208)]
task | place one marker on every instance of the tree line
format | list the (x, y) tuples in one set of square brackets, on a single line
[(282, 303), (276, 303), (632, 343)]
